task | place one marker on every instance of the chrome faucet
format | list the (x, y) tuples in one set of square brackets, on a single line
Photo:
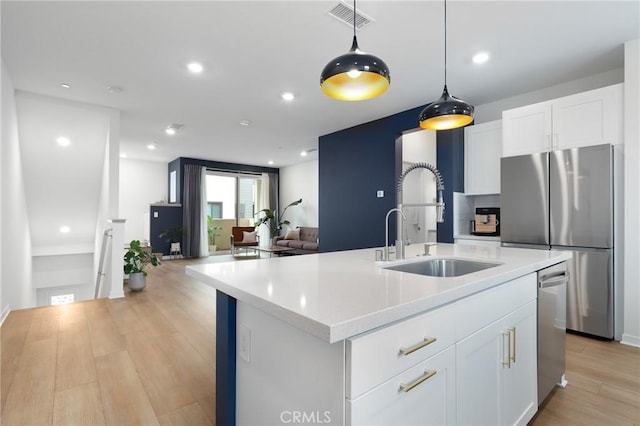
[(399, 251), (439, 205)]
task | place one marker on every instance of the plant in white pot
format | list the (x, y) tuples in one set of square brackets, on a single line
[(135, 260)]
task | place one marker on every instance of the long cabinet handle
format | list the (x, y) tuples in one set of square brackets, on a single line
[(506, 361), (426, 376), (411, 349), (510, 346), (512, 354)]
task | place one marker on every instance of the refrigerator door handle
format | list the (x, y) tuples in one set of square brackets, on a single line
[(553, 281)]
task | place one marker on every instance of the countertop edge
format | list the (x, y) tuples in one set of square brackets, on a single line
[(355, 326)]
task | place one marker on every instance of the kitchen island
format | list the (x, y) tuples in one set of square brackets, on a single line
[(335, 338)]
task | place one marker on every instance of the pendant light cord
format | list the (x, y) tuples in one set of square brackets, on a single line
[(354, 18), (445, 43)]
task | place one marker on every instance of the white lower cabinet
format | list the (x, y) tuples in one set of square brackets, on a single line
[(469, 363), (422, 395), (496, 378)]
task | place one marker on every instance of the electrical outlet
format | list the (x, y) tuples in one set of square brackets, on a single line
[(244, 343), (155, 214), (380, 194)]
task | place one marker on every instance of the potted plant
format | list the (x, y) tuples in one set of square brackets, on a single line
[(172, 235), (212, 230), (135, 260), (269, 218)]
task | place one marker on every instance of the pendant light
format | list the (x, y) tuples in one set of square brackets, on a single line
[(356, 75), (448, 112)]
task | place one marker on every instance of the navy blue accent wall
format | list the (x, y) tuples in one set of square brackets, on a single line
[(354, 163), (450, 160), (225, 359), (168, 217)]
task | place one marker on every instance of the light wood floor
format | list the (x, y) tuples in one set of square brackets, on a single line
[(149, 359)]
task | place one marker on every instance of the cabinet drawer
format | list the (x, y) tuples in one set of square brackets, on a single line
[(379, 355), (429, 402), (490, 305)]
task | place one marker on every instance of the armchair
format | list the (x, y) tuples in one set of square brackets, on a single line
[(243, 237)]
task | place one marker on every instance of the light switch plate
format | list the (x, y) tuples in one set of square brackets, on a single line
[(380, 194), (155, 214)]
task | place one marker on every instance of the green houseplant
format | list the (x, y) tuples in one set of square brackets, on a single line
[(212, 230), (172, 235), (135, 260), (273, 220)]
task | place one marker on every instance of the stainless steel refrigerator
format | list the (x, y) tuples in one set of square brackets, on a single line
[(564, 200)]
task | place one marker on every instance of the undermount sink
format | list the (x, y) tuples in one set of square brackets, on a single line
[(443, 267)]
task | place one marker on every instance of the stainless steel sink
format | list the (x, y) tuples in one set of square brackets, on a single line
[(443, 267)]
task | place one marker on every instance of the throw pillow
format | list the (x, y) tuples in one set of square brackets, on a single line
[(248, 237), (294, 234)]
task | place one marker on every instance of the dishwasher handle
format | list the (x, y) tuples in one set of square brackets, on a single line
[(554, 280)]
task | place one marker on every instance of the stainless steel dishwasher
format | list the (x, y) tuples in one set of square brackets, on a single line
[(552, 317)]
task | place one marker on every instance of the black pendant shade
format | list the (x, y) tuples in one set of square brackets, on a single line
[(355, 76), (447, 112)]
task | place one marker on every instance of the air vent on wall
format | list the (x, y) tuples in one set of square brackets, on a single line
[(344, 13)]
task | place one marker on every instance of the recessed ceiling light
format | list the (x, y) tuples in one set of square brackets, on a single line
[(270, 162), (288, 96), (151, 146), (173, 128), (195, 67), (123, 155), (114, 89), (65, 85), (63, 141), (245, 122), (480, 58), (65, 229), (303, 154)]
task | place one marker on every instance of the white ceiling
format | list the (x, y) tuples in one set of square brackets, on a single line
[(253, 51)]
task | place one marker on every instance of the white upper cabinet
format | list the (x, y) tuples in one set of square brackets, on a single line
[(584, 119), (526, 130), (482, 152)]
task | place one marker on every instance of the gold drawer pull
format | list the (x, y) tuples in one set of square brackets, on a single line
[(426, 376), (411, 349)]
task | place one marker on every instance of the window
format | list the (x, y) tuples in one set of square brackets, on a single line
[(214, 209), (232, 196)]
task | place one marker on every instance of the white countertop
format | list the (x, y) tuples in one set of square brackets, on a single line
[(337, 295), (477, 237)]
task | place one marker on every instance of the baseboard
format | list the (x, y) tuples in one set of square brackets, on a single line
[(629, 340), (5, 313)]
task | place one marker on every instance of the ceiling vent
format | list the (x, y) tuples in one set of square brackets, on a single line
[(343, 12)]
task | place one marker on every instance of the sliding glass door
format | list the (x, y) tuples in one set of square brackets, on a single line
[(232, 200)]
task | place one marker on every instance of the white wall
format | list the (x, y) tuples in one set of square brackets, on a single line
[(419, 186), (141, 184), (631, 330), (300, 181), (15, 239)]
